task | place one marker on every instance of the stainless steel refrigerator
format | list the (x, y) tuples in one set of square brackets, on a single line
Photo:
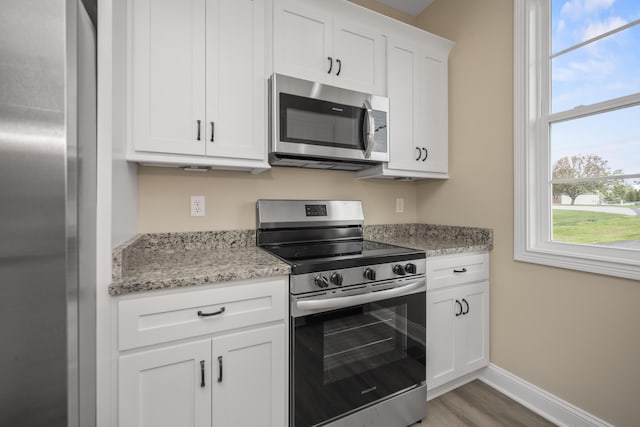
[(47, 212)]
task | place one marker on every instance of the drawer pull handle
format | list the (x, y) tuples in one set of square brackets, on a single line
[(219, 369), (202, 384), (465, 301), (215, 313), (462, 270)]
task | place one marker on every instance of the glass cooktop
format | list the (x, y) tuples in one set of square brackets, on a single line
[(311, 257)]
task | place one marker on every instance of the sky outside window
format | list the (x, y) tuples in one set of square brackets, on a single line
[(602, 70)]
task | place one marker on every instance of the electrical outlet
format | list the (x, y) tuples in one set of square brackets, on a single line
[(400, 205), (197, 205)]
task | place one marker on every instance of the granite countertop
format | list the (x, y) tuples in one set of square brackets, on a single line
[(174, 260), (433, 239)]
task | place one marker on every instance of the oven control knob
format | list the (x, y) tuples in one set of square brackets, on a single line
[(369, 274), (410, 268), (336, 279), (399, 270), (321, 281)]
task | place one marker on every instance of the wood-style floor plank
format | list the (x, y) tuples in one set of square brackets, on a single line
[(478, 405)]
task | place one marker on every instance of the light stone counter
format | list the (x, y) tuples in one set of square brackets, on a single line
[(433, 239), (174, 260)]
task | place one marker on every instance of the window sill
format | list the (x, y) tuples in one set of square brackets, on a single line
[(562, 255)]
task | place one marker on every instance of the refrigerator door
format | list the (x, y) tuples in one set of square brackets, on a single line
[(41, 156)]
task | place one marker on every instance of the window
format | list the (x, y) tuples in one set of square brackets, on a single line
[(577, 134)]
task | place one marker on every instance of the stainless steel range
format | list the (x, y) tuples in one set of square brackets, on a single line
[(358, 314)]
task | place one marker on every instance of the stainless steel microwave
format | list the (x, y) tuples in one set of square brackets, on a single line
[(325, 127)]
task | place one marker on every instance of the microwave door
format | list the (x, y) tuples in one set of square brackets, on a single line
[(317, 122)]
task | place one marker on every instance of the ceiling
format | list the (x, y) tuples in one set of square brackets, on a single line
[(412, 7)]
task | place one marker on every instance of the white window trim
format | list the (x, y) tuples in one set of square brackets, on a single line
[(532, 210)]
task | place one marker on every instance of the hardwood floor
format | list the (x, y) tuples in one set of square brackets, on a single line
[(478, 405)]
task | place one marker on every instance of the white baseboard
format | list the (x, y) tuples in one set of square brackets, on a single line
[(452, 385), (538, 400)]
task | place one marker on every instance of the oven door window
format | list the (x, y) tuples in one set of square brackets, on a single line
[(316, 122), (348, 358)]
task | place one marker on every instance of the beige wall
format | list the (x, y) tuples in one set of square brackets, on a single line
[(573, 334), (164, 196)]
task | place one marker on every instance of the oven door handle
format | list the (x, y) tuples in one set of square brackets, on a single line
[(369, 125), (351, 300)]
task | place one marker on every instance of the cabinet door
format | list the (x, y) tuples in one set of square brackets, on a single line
[(475, 353), (359, 53), (236, 79), (302, 41), (403, 59), (249, 378), (168, 76), (442, 336), (418, 129), (163, 388), (432, 125)]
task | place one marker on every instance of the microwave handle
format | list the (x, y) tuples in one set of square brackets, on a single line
[(369, 129)]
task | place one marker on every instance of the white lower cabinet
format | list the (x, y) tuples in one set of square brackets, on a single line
[(164, 387), (457, 321), (227, 377), (248, 378)]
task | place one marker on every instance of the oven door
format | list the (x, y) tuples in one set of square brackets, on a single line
[(350, 357)]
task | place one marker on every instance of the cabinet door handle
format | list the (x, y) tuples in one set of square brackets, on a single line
[(426, 154), (213, 131), (198, 136), (462, 270), (465, 301), (460, 305), (419, 154), (339, 67), (330, 64), (202, 384), (219, 369), (214, 313)]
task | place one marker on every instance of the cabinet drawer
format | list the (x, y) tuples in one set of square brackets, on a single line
[(451, 270), (156, 319)]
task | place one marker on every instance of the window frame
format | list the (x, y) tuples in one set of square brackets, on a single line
[(532, 189)]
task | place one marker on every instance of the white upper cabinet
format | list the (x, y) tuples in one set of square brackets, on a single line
[(302, 41), (168, 75), (198, 82), (323, 45), (418, 108), (236, 91)]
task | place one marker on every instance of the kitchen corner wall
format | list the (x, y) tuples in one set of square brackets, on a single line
[(230, 197), (573, 334)]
